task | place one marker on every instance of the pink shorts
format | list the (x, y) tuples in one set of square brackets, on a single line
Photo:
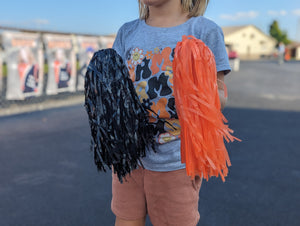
[(169, 198)]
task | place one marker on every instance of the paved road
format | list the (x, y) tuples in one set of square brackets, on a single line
[(265, 85), (48, 177)]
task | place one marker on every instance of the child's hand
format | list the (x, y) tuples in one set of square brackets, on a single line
[(222, 89)]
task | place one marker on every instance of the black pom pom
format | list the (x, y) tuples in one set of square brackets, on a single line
[(120, 130)]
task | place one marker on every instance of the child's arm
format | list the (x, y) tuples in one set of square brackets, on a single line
[(221, 89)]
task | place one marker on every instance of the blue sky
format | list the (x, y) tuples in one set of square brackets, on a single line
[(106, 16)]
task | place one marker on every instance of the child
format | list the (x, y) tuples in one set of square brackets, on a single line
[(163, 190)]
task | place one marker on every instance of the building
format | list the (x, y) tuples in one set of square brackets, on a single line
[(249, 42), (294, 50)]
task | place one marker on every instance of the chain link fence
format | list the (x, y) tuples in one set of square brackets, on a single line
[(5, 103), (34, 66)]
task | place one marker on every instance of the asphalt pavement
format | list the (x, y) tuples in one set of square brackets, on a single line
[(48, 176)]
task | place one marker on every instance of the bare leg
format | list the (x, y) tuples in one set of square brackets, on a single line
[(121, 222)]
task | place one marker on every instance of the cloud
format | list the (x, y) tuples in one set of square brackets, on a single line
[(296, 12), (40, 21), (26, 23), (277, 13), (240, 15), (6, 22)]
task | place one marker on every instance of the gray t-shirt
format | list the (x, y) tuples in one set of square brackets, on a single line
[(148, 53)]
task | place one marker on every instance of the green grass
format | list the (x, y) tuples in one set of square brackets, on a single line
[(4, 70), (46, 69)]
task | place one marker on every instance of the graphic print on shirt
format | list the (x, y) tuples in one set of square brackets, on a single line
[(152, 74)]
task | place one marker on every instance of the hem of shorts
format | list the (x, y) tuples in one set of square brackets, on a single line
[(164, 169), (116, 213)]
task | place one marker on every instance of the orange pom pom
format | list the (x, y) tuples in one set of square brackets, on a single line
[(203, 126)]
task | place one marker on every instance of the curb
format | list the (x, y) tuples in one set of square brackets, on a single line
[(48, 104)]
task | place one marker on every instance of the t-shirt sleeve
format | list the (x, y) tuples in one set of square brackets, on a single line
[(118, 43), (215, 41)]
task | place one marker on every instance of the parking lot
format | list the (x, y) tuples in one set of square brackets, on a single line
[(48, 176)]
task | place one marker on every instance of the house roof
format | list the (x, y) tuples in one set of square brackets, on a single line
[(293, 45), (232, 29)]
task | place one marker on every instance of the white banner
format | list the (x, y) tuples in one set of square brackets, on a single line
[(86, 48), (61, 63), (24, 59), (1, 72), (106, 41)]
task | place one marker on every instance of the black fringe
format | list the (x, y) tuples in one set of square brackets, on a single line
[(120, 130)]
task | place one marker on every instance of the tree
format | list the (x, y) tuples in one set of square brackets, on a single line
[(278, 34)]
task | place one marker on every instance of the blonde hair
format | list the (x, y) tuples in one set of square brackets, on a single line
[(193, 7)]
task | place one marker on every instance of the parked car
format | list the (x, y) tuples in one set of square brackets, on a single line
[(232, 55), (234, 60)]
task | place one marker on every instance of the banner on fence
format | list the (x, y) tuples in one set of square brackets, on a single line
[(106, 41), (61, 61), (1, 72), (86, 48), (23, 55)]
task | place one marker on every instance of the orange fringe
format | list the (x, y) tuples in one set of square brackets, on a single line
[(203, 127)]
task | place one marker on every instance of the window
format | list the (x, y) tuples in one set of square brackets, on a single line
[(262, 42)]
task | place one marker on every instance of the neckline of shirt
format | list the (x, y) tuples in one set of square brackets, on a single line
[(143, 22)]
